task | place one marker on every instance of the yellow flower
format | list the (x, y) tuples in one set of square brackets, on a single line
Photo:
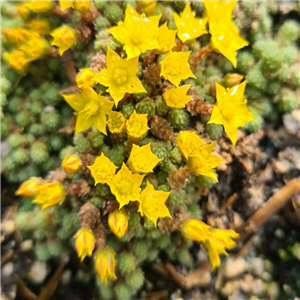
[(195, 230), (217, 244), (18, 60), (82, 5), (177, 98), (116, 122), (39, 6), (85, 77), (17, 36), (71, 164), (105, 263), (189, 27), (35, 47), (91, 109), (148, 6), (137, 125), (225, 38), (136, 32), (66, 4), (203, 162), (64, 38), (152, 204), (142, 159), (231, 109), (23, 11), (103, 170), (118, 223), (120, 76), (175, 67), (216, 10), (126, 186), (50, 194), (29, 188), (41, 26), (84, 243), (188, 143), (165, 38)]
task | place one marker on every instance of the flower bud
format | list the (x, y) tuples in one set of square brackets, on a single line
[(105, 263), (231, 80), (195, 230), (85, 243), (71, 164), (85, 77), (148, 6), (29, 188), (64, 38), (118, 223), (23, 11), (50, 194)]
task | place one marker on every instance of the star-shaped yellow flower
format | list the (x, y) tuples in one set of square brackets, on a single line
[(216, 10), (188, 143), (142, 159), (152, 204), (103, 169), (120, 76), (126, 186), (64, 38), (204, 162), (177, 98), (137, 125), (225, 38), (231, 109), (165, 38), (175, 67), (116, 122), (189, 27), (91, 109), (136, 32)]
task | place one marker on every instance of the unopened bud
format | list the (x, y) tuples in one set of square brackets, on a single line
[(105, 263), (118, 223), (71, 164), (231, 80), (30, 188), (85, 77), (85, 243), (50, 194)]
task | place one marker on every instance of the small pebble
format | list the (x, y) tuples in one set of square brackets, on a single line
[(235, 267), (38, 272)]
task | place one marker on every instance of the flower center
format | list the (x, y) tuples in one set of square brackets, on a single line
[(120, 76), (91, 108)]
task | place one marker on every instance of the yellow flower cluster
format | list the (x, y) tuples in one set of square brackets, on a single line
[(46, 194), (125, 185), (200, 160), (29, 46), (215, 241)]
